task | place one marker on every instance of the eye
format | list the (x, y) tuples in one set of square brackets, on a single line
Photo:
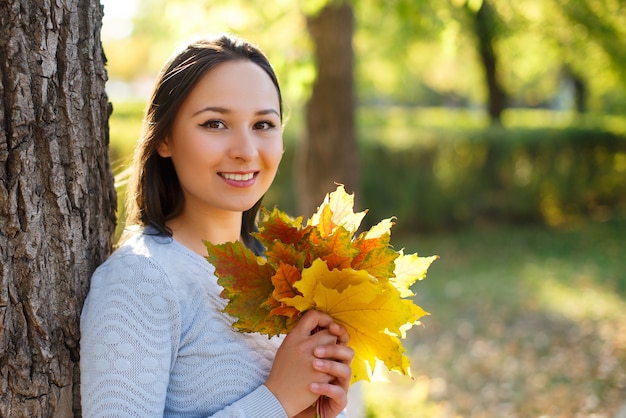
[(213, 124), (264, 125)]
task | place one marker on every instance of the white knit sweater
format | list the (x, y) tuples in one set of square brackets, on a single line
[(155, 344)]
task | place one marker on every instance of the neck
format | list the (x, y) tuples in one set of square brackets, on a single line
[(192, 231)]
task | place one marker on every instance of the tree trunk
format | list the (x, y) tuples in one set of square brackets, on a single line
[(328, 153), (57, 200), (485, 27), (580, 94)]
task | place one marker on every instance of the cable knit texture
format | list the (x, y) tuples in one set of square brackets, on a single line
[(156, 344)]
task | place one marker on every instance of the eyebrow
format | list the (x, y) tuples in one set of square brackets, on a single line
[(227, 111)]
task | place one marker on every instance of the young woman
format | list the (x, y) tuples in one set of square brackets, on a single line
[(154, 340)]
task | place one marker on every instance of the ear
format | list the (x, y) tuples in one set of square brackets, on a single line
[(164, 148)]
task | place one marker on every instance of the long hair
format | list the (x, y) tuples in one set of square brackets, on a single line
[(154, 192)]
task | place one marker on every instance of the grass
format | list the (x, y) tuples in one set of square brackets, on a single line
[(525, 322)]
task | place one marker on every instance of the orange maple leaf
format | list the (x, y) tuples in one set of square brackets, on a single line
[(335, 248), (247, 284), (277, 226), (376, 256)]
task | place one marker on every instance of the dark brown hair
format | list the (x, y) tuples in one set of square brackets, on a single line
[(154, 192)]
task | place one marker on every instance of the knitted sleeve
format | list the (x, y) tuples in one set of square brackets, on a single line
[(130, 328), (130, 332)]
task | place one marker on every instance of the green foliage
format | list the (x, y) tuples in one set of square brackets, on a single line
[(425, 52), (523, 175), (124, 128), (602, 23)]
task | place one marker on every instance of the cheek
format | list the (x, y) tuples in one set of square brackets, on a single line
[(192, 148), (192, 161), (278, 150)]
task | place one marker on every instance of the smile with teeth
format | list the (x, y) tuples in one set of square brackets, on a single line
[(237, 176)]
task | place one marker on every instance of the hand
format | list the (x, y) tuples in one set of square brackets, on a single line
[(309, 365), (335, 361)]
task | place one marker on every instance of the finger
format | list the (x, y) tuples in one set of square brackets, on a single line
[(322, 338), (340, 332), (336, 352), (340, 371), (337, 396), (334, 399), (311, 320)]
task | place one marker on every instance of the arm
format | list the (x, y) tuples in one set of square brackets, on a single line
[(131, 329), (130, 326)]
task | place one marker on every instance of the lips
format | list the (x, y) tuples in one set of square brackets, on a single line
[(238, 176)]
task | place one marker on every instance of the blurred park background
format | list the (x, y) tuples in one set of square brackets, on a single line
[(495, 132)]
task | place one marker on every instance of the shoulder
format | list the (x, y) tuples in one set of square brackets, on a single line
[(143, 247), (131, 292), (147, 254), (136, 270), (132, 260), (148, 263)]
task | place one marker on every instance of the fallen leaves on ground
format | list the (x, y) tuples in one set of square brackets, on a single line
[(511, 364)]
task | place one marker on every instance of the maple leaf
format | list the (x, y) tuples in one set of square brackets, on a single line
[(279, 252), (374, 315), (381, 229), (337, 209), (284, 279), (376, 256), (277, 225), (336, 248), (410, 268), (246, 282)]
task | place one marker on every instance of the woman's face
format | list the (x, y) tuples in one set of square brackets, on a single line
[(226, 140)]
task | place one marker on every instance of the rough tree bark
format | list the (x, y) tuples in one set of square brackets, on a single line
[(328, 153), (57, 200)]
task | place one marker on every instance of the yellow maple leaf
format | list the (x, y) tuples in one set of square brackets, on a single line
[(409, 269), (381, 228), (337, 209), (373, 313)]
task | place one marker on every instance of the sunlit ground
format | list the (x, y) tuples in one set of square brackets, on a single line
[(525, 322)]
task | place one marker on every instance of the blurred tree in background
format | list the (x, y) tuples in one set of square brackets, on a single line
[(327, 152)]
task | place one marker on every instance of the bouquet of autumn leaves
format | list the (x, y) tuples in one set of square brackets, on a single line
[(362, 282)]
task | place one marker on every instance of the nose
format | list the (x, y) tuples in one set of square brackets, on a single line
[(243, 145)]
